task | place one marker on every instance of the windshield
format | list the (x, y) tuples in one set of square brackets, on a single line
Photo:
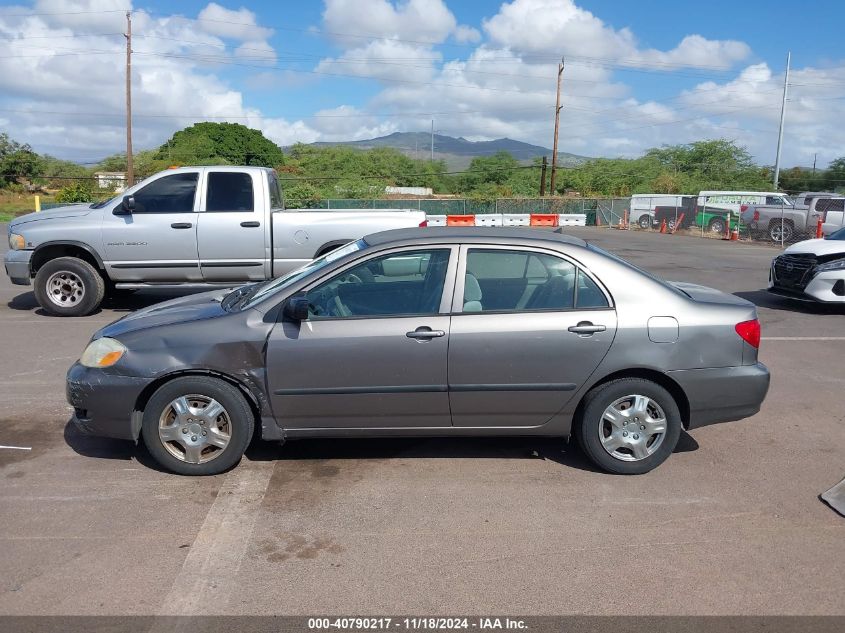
[(837, 235), (248, 296), (103, 203)]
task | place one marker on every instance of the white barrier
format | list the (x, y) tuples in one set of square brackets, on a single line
[(512, 219)]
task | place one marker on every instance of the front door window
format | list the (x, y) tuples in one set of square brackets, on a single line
[(407, 283)]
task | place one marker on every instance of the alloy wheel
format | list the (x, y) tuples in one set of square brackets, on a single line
[(195, 428), (632, 428)]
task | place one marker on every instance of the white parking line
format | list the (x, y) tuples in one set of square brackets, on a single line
[(205, 583), (18, 448), (802, 338)]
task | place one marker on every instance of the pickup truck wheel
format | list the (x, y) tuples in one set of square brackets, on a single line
[(717, 225), (780, 233), (69, 286), (197, 425), (629, 426), (644, 221)]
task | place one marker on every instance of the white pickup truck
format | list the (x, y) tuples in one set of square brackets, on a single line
[(185, 227)]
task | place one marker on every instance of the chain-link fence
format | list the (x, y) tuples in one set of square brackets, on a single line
[(767, 218)]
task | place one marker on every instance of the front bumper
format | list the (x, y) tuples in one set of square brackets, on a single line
[(723, 394), (103, 403), (18, 266), (826, 287)]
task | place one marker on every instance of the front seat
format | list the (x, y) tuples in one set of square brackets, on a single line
[(472, 294)]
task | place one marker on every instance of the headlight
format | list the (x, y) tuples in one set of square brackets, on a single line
[(836, 264), (104, 352), (16, 242)]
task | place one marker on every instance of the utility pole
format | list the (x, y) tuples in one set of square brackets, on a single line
[(130, 171), (557, 124), (815, 156), (782, 116), (543, 178), (432, 140)]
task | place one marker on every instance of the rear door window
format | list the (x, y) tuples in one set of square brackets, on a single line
[(230, 191), (514, 280)]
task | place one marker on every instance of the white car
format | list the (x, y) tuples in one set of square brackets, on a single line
[(812, 270)]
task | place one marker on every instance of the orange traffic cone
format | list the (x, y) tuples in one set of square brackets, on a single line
[(735, 234), (663, 226)]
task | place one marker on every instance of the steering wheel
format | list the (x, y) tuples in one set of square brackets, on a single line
[(350, 278)]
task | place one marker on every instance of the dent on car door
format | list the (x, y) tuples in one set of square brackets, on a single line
[(158, 240), (373, 351), (528, 328)]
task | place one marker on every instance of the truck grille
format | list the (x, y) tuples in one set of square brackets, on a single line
[(793, 271)]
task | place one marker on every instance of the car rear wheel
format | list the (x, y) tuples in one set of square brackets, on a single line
[(629, 426), (68, 286), (645, 221), (197, 425), (780, 232)]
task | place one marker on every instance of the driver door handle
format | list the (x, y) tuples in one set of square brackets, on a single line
[(181, 225), (586, 328), (250, 225), (425, 333)]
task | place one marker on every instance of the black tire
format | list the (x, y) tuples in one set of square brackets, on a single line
[(645, 221), (589, 426), (79, 274), (238, 412), (717, 225)]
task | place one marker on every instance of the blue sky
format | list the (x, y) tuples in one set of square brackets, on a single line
[(638, 74)]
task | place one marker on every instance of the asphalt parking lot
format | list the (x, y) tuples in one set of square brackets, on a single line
[(730, 524)]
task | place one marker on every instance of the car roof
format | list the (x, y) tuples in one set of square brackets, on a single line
[(471, 233)]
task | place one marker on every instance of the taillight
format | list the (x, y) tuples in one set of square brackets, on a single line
[(424, 224), (743, 207), (756, 214), (749, 331)]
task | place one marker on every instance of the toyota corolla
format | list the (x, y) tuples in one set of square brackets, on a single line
[(428, 332)]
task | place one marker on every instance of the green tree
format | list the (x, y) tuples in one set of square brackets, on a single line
[(76, 192), (835, 176), (220, 144), (16, 160)]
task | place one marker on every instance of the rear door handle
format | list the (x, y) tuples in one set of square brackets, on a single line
[(425, 333), (181, 225), (250, 225), (586, 328)]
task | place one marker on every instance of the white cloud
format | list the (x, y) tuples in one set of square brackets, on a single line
[(75, 106), (418, 20), (466, 34), (561, 27), (258, 51), (238, 25)]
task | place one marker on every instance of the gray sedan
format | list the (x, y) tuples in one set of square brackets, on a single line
[(428, 332)]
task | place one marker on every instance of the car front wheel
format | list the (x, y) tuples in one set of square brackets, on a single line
[(197, 425), (68, 286), (629, 426)]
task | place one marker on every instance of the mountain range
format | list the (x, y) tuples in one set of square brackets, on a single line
[(457, 152)]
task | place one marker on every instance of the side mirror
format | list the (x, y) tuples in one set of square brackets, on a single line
[(126, 207), (296, 309)]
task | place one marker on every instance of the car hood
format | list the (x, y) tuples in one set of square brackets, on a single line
[(817, 247), (205, 305), (69, 211), (706, 294)]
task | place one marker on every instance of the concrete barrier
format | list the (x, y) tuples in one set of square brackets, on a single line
[(512, 219)]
